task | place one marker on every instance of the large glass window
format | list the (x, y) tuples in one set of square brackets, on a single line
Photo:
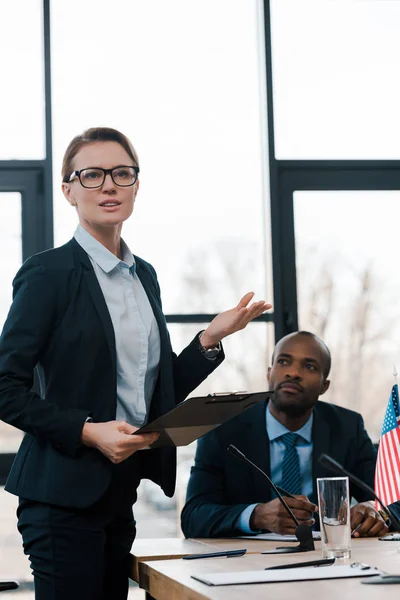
[(347, 281), (182, 81), (336, 92), (22, 132)]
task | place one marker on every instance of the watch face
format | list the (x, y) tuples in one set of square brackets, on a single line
[(212, 353)]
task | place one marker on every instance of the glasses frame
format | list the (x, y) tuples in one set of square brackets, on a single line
[(105, 172)]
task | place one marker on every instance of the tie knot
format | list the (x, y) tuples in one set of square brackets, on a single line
[(132, 269), (290, 439)]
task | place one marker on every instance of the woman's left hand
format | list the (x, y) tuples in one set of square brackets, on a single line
[(232, 320)]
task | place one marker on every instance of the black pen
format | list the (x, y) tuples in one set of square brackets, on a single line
[(312, 563), (284, 492), (356, 529), (226, 553)]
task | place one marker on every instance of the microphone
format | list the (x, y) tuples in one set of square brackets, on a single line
[(302, 532), (327, 461)]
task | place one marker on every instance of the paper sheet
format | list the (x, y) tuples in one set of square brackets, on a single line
[(274, 576)]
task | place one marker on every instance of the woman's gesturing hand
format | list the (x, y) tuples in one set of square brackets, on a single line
[(233, 320), (114, 439)]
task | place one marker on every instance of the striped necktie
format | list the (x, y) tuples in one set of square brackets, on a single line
[(291, 481)]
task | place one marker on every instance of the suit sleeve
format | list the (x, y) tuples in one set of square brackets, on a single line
[(207, 512), (191, 368), (364, 457), (25, 340)]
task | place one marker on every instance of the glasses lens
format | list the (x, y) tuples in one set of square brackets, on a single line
[(124, 176), (92, 178)]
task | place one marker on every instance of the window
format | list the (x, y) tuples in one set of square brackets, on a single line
[(22, 132), (347, 274), (335, 85), (182, 81)]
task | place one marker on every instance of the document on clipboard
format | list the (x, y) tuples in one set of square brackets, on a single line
[(196, 416)]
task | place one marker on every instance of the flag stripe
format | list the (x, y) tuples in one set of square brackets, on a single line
[(384, 474), (387, 472), (394, 463)]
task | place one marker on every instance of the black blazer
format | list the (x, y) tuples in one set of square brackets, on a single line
[(60, 324), (221, 487)]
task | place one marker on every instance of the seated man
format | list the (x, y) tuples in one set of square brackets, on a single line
[(284, 437)]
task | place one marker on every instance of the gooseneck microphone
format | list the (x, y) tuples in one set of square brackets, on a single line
[(302, 532), (327, 461)]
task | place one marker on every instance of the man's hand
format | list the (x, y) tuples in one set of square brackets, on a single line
[(273, 516), (367, 520), (232, 320), (114, 439)]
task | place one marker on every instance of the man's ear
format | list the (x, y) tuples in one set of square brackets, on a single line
[(325, 386), (268, 374)]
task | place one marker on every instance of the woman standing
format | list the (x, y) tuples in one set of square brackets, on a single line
[(87, 316)]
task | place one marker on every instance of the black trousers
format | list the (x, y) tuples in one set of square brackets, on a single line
[(83, 554)]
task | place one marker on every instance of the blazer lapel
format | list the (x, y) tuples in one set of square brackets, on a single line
[(321, 436)]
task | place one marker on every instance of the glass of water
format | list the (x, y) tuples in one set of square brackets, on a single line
[(334, 516)]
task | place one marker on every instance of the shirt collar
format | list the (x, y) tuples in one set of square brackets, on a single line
[(106, 260), (276, 429)]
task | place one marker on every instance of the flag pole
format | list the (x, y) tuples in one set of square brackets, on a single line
[(395, 374)]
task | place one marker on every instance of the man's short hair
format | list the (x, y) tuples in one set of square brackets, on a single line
[(328, 360)]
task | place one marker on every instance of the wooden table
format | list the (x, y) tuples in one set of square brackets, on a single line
[(165, 549), (171, 579), (174, 548)]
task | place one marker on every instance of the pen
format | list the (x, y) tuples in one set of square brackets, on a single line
[(226, 553), (356, 529), (284, 492), (312, 563)]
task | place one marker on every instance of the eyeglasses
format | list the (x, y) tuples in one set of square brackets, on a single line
[(95, 177)]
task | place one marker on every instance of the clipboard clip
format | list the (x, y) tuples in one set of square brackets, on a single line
[(222, 397), (219, 394)]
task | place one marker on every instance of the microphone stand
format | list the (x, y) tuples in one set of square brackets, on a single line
[(302, 532)]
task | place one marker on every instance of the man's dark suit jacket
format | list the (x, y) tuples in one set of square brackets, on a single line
[(221, 486), (59, 323)]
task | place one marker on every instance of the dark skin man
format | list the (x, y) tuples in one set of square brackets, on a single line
[(298, 376)]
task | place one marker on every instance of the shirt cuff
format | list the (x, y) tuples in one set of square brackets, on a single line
[(243, 521)]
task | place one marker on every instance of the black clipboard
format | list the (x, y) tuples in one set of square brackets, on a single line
[(196, 416)]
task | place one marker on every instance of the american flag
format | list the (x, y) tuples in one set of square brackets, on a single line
[(387, 472)]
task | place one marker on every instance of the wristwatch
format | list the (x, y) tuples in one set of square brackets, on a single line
[(210, 353)]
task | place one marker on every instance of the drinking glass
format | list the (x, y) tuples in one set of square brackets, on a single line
[(334, 516)]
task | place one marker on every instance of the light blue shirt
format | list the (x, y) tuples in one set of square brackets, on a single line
[(137, 339), (277, 449)]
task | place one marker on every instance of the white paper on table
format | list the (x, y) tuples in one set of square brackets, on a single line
[(277, 537), (276, 575)]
